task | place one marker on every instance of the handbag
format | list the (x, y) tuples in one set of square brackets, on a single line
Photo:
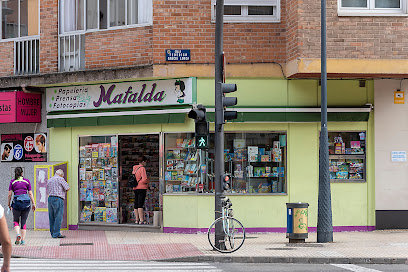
[(133, 182), (21, 202)]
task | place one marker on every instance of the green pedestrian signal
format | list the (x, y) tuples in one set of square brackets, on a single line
[(201, 141)]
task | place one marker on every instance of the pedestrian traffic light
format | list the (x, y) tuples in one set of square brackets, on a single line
[(198, 113), (229, 101), (226, 181)]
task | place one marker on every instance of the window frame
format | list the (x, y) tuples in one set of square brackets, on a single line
[(245, 18), (371, 10), (85, 30), (19, 38)]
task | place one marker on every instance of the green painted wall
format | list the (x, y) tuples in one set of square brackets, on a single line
[(352, 204)]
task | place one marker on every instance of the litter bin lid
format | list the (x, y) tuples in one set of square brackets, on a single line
[(297, 205)]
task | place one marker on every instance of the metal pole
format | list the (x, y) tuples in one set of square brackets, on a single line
[(324, 217), (219, 122)]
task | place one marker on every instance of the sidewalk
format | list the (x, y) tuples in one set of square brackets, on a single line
[(390, 246)]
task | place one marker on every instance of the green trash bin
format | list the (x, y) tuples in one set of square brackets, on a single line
[(297, 228)]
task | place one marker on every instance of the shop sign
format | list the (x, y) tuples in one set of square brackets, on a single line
[(27, 147), (398, 156), (20, 107), (120, 95), (177, 54)]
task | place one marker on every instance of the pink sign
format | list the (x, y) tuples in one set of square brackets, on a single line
[(7, 107), (20, 107), (28, 108)]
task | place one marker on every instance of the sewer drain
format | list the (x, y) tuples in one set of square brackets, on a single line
[(77, 244), (281, 248)]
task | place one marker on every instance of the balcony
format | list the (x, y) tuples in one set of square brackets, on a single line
[(27, 56), (71, 52)]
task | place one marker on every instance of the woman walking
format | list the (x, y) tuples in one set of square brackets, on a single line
[(140, 190), (21, 188)]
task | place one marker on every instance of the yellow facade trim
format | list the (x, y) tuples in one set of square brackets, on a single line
[(349, 66), (260, 70)]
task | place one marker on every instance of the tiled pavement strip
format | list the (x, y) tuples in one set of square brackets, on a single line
[(390, 246)]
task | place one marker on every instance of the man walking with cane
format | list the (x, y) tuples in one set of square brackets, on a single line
[(56, 188)]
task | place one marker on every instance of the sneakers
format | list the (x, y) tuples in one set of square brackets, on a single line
[(22, 243), (18, 239)]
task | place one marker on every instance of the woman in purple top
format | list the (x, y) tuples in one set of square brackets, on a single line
[(21, 188)]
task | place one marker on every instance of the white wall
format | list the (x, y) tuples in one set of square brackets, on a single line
[(391, 134)]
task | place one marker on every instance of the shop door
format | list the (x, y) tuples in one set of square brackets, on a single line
[(130, 148)]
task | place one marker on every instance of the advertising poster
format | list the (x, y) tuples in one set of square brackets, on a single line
[(27, 147)]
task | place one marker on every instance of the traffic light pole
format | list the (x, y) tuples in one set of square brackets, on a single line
[(324, 216), (219, 122)]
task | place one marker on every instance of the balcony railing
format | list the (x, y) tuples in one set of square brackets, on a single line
[(71, 52), (27, 56)]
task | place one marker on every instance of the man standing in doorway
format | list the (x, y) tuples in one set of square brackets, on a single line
[(56, 188)]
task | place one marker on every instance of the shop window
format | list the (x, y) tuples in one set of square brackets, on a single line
[(347, 154), (105, 163), (256, 161), (98, 179), (182, 164)]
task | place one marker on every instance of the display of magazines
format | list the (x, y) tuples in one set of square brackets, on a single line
[(98, 182)]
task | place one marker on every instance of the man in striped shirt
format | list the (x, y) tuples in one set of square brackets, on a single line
[(56, 189)]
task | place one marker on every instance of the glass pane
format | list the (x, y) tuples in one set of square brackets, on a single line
[(29, 20), (232, 10), (98, 179), (80, 20), (117, 12), (387, 4), (182, 164), (354, 3), (103, 14), (132, 12), (260, 10), (9, 19), (91, 14), (347, 155)]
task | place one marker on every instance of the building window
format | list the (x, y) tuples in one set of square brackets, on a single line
[(372, 7), (81, 15), (17, 21), (236, 11)]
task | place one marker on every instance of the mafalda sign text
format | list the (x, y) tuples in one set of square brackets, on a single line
[(120, 95)]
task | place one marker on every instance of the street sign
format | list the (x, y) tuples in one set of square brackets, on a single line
[(201, 141)]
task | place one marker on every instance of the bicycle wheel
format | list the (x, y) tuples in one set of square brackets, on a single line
[(232, 235)]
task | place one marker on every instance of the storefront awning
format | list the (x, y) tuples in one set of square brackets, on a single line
[(118, 118), (168, 116), (282, 114)]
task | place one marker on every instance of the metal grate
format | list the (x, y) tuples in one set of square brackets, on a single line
[(77, 244), (71, 52), (26, 57)]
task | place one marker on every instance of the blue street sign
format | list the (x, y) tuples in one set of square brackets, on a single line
[(177, 54)]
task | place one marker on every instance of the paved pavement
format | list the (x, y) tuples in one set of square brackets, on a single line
[(388, 246)]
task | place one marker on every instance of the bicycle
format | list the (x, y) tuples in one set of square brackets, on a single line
[(229, 241)]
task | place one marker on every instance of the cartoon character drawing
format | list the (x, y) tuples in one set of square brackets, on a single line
[(179, 88)]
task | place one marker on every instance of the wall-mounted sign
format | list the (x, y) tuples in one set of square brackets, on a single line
[(399, 97), (398, 156), (177, 54), (20, 107), (27, 147), (120, 95)]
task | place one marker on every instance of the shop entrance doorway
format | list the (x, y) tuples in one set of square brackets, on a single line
[(130, 148)]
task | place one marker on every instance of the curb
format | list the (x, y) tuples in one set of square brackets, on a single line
[(304, 260)]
